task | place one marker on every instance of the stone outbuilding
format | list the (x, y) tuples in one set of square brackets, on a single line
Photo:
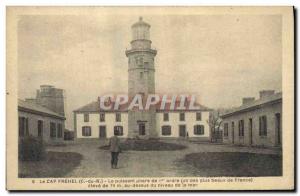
[(43, 117), (255, 122)]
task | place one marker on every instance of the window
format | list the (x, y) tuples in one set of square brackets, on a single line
[(263, 126), (241, 128), (118, 130), (52, 130), (166, 116), (118, 117), (86, 131), (86, 117), (146, 64), (182, 117), (142, 129), (102, 117), (226, 130), (198, 116), (166, 130), (59, 130), (141, 75), (23, 127), (199, 130), (136, 60), (40, 128), (141, 61)]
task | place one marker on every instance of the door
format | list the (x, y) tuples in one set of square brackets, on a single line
[(278, 128), (40, 128), (142, 129), (250, 131), (102, 132), (182, 130), (232, 131)]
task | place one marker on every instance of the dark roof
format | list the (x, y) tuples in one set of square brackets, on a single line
[(37, 109), (277, 97), (95, 107), (177, 104)]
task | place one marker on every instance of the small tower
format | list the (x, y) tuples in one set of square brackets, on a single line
[(141, 80), (51, 98)]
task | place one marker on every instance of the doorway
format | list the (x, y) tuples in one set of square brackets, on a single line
[(40, 128), (232, 131), (142, 129), (182, 130), (102, 131), (278, 128), (250, 132)]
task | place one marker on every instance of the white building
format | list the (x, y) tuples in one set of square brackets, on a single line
[(92, 122)]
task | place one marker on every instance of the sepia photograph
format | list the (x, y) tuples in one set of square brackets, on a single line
[(150, 98)]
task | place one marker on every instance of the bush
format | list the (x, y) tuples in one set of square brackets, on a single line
[(31, 149)]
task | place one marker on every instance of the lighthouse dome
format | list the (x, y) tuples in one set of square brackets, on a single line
[(140, 30), (140, 23)]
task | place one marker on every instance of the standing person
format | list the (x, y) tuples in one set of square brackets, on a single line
[(114, 143)]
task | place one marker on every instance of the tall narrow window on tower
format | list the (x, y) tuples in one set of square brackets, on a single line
[(141, 60)]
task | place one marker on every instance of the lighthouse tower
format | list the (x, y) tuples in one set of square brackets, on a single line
[(141, 80)]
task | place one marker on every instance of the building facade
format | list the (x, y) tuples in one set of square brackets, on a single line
[(192, 124), (255, 122), (92, 122), (42, 117), (40, 122)]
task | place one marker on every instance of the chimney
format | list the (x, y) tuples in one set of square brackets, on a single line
[(266, 93), (247, 100)]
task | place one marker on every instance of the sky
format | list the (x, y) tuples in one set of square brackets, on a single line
[(219, 58)]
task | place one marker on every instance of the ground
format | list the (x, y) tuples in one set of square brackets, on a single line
[(198, 159), (56, 164), (233, 164)]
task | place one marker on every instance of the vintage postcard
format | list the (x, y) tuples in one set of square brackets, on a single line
[(150, 98)]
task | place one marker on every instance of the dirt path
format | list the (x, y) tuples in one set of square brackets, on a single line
[(96, 162)]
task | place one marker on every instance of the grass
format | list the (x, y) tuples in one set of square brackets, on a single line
[(234, 164), (147, 145), (56, 164)]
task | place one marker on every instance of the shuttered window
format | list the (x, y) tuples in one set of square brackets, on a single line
[(86, 131), (199, 130)]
